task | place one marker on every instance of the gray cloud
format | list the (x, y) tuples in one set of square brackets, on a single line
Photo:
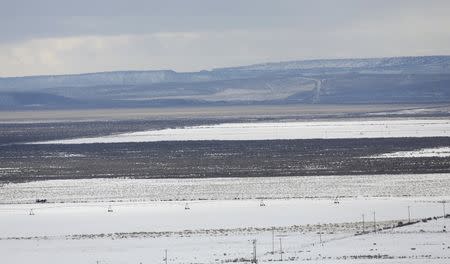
[(46, 37)]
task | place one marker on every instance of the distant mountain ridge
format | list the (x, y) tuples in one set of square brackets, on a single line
[(372, 80), (400, 63)]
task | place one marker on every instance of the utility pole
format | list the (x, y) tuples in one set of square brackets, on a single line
[(254, 260), (165, 256), (363, 227), (443, 208), (320, 234), (374, 223), (273, 240), (409, 214), (281, 251)]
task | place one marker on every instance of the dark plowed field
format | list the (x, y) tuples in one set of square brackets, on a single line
[(198, 159)]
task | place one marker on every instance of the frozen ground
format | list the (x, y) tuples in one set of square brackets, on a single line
[(219, 231), (76, 227), (94, 218), (281, 130), (114, 189)]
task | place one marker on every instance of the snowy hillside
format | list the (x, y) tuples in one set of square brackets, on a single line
[(401, 64), (337, 81)]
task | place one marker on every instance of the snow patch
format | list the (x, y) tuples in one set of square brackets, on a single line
[(279, 131), (441, 152)]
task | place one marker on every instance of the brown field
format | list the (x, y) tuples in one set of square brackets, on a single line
[(253, 111)]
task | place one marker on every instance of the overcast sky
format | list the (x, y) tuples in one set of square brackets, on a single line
[(58, 36)]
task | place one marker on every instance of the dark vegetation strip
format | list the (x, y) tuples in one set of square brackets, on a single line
[(212, 159)]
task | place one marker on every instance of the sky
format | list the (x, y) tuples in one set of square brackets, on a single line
[(49, 37)]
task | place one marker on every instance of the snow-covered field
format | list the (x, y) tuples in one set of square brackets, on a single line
[(138, 226), (94, 218), (442, 152), (96, 190), (404, 245), (218, 231), (215, 220), (281, 130)]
